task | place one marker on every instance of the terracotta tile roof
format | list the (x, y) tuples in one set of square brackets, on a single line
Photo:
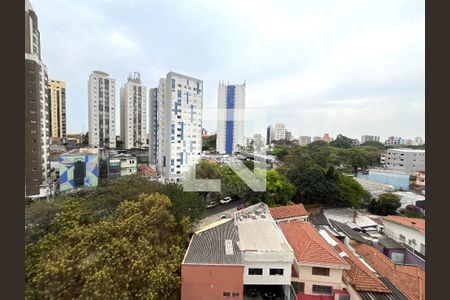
[(418, 224), (410, 280), (147, 170), (309, 246), (289, 211), (359, 275)]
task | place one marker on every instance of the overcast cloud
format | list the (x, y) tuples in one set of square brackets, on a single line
[(350, 66)]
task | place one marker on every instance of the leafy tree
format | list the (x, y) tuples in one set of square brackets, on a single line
[(135, 254), (280, 152), (351, 193), (279, 190), (342, 141), (387, 204), (209, 143), (374, 144)]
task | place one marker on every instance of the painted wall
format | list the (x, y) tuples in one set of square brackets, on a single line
[(205, 282), (399, 181), (393, 230), (67, 166), (305, 275), (266, 278)]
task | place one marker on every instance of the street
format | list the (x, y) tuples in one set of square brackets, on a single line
[(213, 214)]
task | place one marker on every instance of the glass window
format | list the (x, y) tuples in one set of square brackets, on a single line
[(255, 271), (321, 271), (276, 272), (322, 289)]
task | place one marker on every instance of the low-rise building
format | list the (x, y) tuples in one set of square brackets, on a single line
[(120, 164), (288, 213), (78, 168), (409, 232), (405, 160)]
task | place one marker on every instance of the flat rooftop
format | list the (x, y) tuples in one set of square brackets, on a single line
[(407, 150)]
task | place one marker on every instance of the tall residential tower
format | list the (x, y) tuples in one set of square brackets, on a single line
[(176, 124), (37, 110), (230, 118), (133, 112), (58, 128), (102, 110)]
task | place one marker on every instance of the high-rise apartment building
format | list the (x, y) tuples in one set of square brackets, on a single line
[(58, 128), (269, 135), (37, 109), (393, 140), (304, 140), (317, 138), (279, 132), (176, 124), (102, 110), (418, 141), (369, 138), (326, 138), (133, 112), (230, 117)]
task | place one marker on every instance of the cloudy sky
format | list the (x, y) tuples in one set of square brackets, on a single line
[(345, 66)]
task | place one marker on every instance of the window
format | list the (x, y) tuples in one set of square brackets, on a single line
[(276, 272), (321, 271), (255, 271), (226, 294), (235, 294), (322, 289), (402, 238)]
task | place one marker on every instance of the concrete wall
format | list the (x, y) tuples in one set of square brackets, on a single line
[(393, 230), (399, 181), (305, 275), (205, 282), (266, 278)]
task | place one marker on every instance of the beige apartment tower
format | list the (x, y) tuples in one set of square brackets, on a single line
[(57, 109)]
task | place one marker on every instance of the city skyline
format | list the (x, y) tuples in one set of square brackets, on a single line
[(326, 74)]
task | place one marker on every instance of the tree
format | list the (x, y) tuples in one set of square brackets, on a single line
[(209, 143), (136, 254), (279, 190), (342, 141), (351, 193), (387, 204), (374, 144)]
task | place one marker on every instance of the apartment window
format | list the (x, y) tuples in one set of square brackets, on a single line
[(255, 271), (321, 271), (322, 289), (235, 294), (226, 294), (402, 238), (276, 271)]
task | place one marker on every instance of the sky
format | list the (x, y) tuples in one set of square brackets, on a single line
[(344, 66)]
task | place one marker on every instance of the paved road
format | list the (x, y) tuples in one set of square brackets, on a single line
[(213, 214)]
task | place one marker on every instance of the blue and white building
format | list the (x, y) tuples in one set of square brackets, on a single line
[(176, 124), (230, 118)]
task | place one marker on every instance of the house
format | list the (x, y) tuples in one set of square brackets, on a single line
[(244, 255), (121, 164), (147, 171), (409, 232), (410, 280), (289, 213), (317, 267)]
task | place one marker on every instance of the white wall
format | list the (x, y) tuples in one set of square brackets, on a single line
[(266, 278), (393, 230)]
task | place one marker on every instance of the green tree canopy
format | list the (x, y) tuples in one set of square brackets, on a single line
[(387, 204), (342, 141), (351, 193)]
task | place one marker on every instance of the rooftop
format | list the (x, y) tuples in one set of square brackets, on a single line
[(418, 224), (310, 246), (407, 150), (289, 211), (82, 151), (410, 280), (346, 216), (354, 235), (216, 244)]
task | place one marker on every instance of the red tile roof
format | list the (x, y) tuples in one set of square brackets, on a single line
[(147, 170), (410, 280), (309, 246), (418, 224), (359, 275), (289, 211)]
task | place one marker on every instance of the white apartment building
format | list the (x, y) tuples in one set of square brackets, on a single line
[(405, 160), (133, 112), (279, 132), (407, 231), (230, 118), (176, 124), (304, 140), (102, 110), (369, 138)]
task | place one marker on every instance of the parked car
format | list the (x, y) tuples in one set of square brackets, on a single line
[(225, 200), (222, 217), (211, 204)]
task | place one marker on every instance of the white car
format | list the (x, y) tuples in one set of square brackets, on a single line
[(225, 200)]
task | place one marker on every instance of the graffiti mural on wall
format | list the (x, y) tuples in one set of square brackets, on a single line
[(77, 170)]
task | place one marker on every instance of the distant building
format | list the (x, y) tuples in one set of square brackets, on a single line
[(393, 140), (204, 133), (78, 168), (102, 110), (409, 232), (326, 138), (317, 138), (405, 160), (418, 141), (369, 138), (420, 179), (279, 132), (230, 118), (304, 140), (176, 124), (398, 180), (133, 112), (57, 109), (121, 165), (289, 136), (269, 135), (258, 142)]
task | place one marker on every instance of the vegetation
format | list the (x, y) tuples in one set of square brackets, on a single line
[(209, 143), (412, 211), (387, 204)]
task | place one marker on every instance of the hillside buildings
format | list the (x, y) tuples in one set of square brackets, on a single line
[(405, 160), (304, 140), (37, 108), (58, 124), (133, 112), (176, 124), (102, 110), (230, 118), (369, 138), (279, 132)]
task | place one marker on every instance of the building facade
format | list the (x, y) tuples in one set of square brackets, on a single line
[(279, 132), (37, 109), (369, 138), (230, 118), (102, 110), (269, 135), (304, 140), (409, 232), (78, 168), (394, 140), (58, 125), (133, 113), (405, 160), (176, 124), (326, 138), (121, 165)]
